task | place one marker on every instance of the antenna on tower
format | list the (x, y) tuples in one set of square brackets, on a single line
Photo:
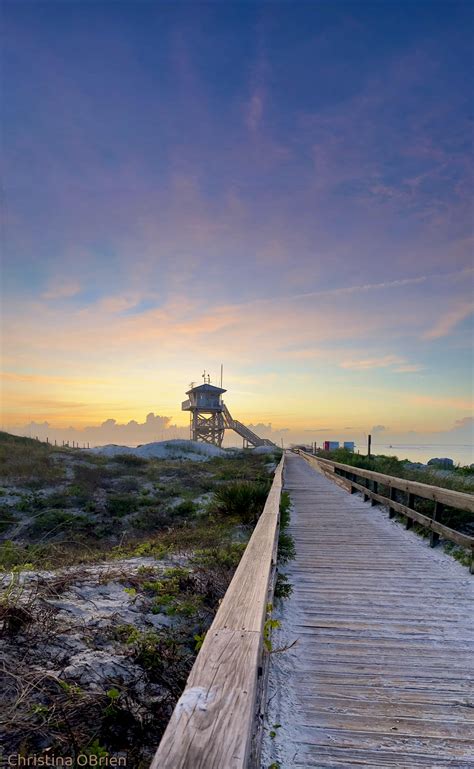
[(222, 372)]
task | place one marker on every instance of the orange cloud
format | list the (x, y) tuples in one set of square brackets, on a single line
[(432, 400)]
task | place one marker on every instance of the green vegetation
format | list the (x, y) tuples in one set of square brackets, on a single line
[(7, 518), (74, 507), (286, 545), (459, 553), (283, 586), (457, 479), (68, 508), (286, 548), (28, 462), (241, 500)]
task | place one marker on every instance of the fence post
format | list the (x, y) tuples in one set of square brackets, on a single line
[(393, 495), (375, 489), (367, 486), (434, 536), (410, 503)]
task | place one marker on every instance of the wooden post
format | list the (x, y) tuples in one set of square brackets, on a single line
[(375, 488), (350, 478), (434, 536), (369, 444), (367, 485), (411, 504), (393, 494)]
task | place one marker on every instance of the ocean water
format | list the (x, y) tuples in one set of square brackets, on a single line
[(459, 453)]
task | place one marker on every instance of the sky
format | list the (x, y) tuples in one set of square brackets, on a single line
[(282, 187)]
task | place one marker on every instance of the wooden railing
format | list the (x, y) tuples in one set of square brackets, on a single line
[(348, 477), (214, 721)]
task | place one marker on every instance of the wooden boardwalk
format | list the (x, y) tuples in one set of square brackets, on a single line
[(382, 674)]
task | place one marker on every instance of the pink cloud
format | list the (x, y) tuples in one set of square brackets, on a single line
[(449, 320), (62, 289)]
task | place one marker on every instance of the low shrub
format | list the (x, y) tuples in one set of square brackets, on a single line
[(243, 500), (7, 517), (95, 477), (185, 508), (283, 586), (12, 555), (127, 484), (227, 556), (130, 460), (119, 505), (54, 522)]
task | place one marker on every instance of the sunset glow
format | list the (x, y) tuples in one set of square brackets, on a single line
[(281, 188)]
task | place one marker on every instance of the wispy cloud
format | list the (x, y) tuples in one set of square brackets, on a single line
[(254, 111), (409, 368), (18, 378), (395, 362), (62, 289), (442, 401), (449, 320)]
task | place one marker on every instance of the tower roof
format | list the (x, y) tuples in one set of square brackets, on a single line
[(206, 388)]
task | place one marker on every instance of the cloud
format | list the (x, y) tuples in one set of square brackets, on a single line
[(379, 429), (397, 364), (130, 433), (254, 111), (318, 429), (368, 363), (409, 368), (62, 289), (464, 422), (10, 376), (443, 401), (358, 289), (449, 320)]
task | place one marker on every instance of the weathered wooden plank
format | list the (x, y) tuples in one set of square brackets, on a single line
[(212, 720), (458, 499), (334, 757), (382, 674), (429, 523), (211, 726)]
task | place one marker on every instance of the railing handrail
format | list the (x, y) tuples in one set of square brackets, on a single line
[(440, 496), (458, 499), (212, 724)]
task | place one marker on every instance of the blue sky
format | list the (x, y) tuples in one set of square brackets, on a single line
[(285, 187)]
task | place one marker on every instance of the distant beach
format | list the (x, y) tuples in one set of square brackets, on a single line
[(459, 453)]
